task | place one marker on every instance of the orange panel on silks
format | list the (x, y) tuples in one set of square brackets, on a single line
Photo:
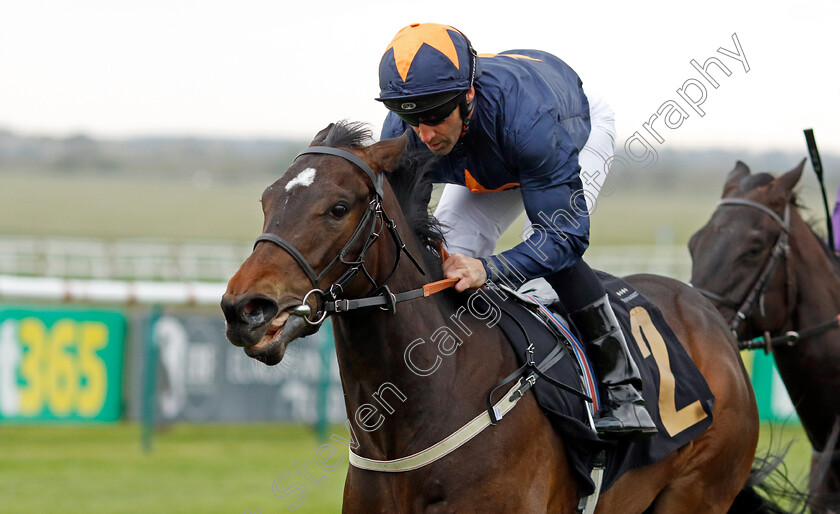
[(473, 185)]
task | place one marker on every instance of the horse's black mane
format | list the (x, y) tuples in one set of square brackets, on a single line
[(813, 224), (410, 182), (348, 134)]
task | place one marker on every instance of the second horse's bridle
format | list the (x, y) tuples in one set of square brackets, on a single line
[(780, 251)]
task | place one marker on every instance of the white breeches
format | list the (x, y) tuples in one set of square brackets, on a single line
[(473, 222)]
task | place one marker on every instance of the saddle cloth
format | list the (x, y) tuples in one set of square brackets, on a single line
[(676, 394)]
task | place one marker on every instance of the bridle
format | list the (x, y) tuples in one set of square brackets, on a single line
[(780, 250), (373, 222), (382, 296)]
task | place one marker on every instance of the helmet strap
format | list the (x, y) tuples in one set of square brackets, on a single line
[(466, 110)]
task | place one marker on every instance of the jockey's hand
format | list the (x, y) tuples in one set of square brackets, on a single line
[(470, 271)]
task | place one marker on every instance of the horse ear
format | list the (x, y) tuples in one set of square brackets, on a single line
[(734, 178), (786, 182), (384, 155), (322, 135)]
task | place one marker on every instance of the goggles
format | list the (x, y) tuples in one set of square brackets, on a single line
[(431, 117)]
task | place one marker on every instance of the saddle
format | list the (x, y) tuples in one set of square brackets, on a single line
[(676, 394)]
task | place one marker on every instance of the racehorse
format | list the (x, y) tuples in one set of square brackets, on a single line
[(334, 228), (769, 273)]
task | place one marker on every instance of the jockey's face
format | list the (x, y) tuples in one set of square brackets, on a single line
[(441, 138)]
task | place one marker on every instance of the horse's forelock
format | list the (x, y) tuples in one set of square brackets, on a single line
[(410, 182), (348, 134)]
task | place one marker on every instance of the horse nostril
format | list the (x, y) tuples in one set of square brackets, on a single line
[(229, 309), (257, 311)]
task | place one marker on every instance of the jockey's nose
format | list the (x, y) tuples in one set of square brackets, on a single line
[(425, 132)]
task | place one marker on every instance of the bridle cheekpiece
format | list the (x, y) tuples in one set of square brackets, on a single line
[(327, 299)]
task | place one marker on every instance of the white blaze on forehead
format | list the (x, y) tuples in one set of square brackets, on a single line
[(304, 178)]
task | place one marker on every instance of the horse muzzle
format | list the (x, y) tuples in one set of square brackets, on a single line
[(264, 327)]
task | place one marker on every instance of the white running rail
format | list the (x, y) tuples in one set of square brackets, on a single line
[(195, 272)]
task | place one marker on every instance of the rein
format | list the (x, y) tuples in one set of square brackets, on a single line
[(327, 300), (790, 338), (756, 294), (382, 297)]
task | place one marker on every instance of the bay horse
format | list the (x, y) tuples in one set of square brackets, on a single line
[(757, 247), (334, 228)]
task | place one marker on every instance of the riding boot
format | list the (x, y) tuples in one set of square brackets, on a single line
[(624, 414)]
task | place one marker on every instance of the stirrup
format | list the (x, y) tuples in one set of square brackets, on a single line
[(626, 419)]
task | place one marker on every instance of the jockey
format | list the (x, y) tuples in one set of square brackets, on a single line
[(509, 131)]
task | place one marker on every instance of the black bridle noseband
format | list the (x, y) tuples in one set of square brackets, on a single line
[(377, 219), (780, 251)]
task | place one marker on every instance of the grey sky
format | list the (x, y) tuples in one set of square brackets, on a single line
[(271, 68)]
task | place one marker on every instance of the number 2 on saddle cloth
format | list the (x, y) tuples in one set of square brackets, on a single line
[(676, 394)]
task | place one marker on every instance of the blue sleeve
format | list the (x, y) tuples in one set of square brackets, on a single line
[(546, 151), (392, 127)]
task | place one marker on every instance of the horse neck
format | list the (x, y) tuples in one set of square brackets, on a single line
[(810, 365), (417, 407), (817, 289)]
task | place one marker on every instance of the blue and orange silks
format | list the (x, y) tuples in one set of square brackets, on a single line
[(530, 122)]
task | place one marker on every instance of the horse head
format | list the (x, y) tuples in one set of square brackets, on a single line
[(322, 218), (740, 256)]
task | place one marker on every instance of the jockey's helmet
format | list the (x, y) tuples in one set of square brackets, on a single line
[(426, 67)]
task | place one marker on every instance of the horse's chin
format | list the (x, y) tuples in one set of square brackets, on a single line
[(284, 329)]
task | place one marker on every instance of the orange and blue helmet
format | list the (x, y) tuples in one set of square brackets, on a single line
[(425, 66)]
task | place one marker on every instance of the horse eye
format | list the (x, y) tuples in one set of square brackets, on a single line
[(754, 252), (339, 211)]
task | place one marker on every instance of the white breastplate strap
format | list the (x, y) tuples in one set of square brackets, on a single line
[(443, 448)]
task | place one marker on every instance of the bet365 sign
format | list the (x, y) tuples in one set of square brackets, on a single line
[(61, 365)]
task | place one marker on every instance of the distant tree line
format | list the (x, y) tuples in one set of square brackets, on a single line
[(230, 158), (163, 156)]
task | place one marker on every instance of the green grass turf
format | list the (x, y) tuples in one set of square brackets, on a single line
[(103, 206), (201, 468), (212, 468), (192, 468), (119, 207)]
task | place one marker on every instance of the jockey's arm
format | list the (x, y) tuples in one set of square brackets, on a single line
[(552, 193)]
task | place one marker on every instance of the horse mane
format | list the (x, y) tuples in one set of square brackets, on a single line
[(411, 184), (348, 134), (813, 223)]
